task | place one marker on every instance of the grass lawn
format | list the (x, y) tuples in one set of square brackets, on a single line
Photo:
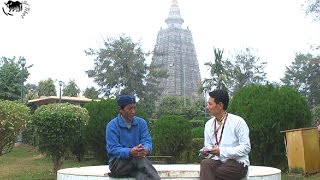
[(25, 162)]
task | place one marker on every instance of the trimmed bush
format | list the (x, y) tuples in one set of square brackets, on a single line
[(267, 111), (13, 116), (59, 127), (171, 134)]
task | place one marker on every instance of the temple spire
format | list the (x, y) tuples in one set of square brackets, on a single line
[(174, 2), (174, 19)]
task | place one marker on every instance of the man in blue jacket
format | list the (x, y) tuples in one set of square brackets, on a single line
[(129, 142)]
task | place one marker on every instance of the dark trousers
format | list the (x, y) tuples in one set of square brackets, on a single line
[(216, 170), (139, 168)]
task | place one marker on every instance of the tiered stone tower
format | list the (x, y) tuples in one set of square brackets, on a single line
[(175, 52)]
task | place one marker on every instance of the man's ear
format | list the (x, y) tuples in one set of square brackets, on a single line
[(221, 105)]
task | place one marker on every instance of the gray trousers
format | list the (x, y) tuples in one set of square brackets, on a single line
[(216, 170), (139, 168)]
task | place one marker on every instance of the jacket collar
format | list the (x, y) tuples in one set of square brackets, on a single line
[(122, 122)]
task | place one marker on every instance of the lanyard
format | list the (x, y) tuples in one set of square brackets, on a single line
[(216, 130)]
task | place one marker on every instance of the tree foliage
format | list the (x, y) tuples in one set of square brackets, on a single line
[(71, 89), (91, 93), (218, 71), (313, 9), (59, 127), (13, 116), (174, 105), (247, 69), (267, 111), (10, 78), (152, 90), (31, 91), (304, 75), (47, 88), (119, 67), (234, 73)]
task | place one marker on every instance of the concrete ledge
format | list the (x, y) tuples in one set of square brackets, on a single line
[(166, 171)]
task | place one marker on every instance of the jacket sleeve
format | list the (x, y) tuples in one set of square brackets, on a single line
[(145, 138)]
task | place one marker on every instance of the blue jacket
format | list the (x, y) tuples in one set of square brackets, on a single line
[(120, 139)]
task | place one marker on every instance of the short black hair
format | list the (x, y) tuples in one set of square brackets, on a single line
[(220, 96)]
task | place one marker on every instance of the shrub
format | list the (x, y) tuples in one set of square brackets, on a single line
[(191, 153), (101, 112), (30, 134), (197, 123), (13, 116), (59, 127), (171, 134), (197, 132), (267, 111)]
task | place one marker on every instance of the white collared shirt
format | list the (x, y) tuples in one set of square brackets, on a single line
[(235, 141)]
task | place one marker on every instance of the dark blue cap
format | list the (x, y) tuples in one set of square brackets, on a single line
[(126, 99)]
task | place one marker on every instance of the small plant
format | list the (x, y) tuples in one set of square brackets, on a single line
[(297, 170)]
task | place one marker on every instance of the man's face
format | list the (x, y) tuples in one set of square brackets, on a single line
[(213, 107), (129, 111)]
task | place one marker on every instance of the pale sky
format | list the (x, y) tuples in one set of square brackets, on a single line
[(54, 34)]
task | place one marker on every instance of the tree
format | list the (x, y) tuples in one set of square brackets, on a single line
[(31, 91), (47, 88), (10, 78), (218, 71), (91, 93), (246, 70), (304, 75), (119, 67), (71, 89), (173, 105), (152, 90)]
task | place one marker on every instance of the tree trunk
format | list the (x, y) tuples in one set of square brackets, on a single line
[(57, 163)]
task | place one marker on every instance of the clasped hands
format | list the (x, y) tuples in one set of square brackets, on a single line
[(215, 150), (139, 151)]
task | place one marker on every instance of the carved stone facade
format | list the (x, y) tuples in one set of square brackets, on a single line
[(175, 52)]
